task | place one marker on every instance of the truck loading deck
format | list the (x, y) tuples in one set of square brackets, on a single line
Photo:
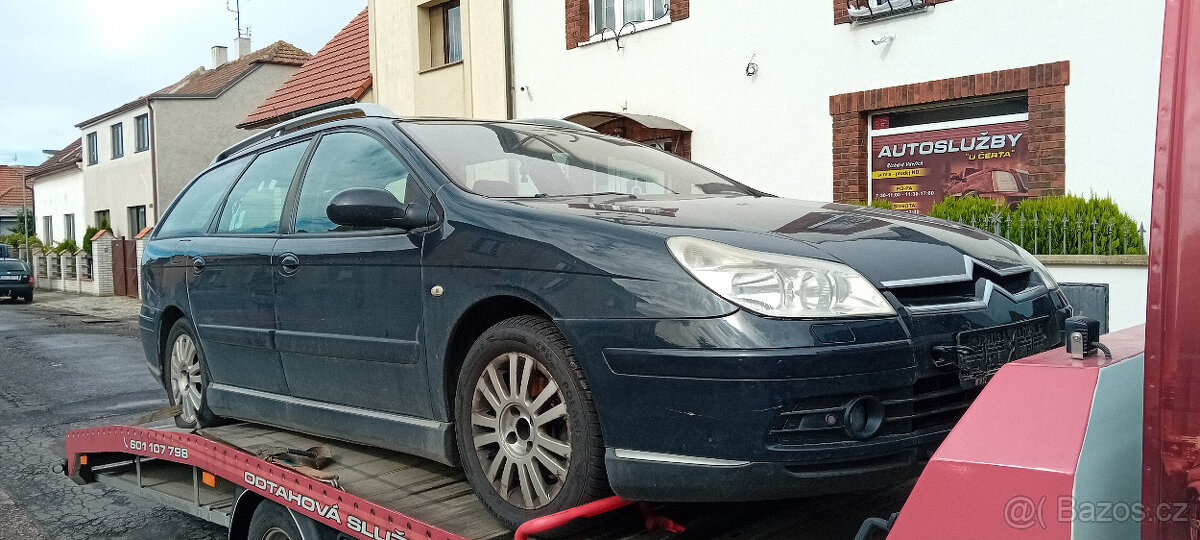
[(223, 474)]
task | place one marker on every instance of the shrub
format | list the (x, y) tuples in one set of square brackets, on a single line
[(68, 246), (87, 239), (1066, 224), (16, 240)]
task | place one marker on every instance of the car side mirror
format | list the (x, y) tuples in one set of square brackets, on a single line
[(375, 207)]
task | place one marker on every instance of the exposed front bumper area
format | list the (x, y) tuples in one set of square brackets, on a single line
[(743, 407), (643, 476)]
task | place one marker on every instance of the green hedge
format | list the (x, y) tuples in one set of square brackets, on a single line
[(1093, 225)]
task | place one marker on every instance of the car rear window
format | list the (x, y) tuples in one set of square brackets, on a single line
[(9, 266), (190, 216)]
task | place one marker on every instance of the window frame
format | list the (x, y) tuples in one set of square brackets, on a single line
[(93, 148), (141, 133), (107, 217), (129, 213), (601, 34), (446, 7), (208, 225), (117, 139), (69, 226), (48, 230), (301, 167), (291, 206)]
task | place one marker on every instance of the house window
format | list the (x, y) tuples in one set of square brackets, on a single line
[(102, 220), (142, 129), (68, 226), (444, 45), (137, 219), (452, 31), (613, 14), (48, 231), (118, 140), (92, 149)]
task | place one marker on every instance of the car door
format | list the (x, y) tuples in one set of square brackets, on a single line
[(230, 284), (348, 300)]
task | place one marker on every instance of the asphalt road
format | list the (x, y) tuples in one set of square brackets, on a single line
[(58, 373)]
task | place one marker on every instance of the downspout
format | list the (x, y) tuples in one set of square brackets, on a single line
[(153, 159), (509, 91), (25, 216)]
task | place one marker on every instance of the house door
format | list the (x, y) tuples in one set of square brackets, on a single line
[(125, 268)]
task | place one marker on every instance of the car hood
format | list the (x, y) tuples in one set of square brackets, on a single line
[(887, 247)]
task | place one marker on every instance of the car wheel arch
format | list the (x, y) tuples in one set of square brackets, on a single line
[(476, 319), (166, 321)]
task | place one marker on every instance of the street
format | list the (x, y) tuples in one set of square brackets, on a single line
[(59, 373), (63, 369)]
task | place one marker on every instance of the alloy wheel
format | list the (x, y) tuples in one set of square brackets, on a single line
[(276, 533), (521, 430), (186, 382)]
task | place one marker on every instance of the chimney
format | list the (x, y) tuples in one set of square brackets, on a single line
[(220, 55), (243, 45)]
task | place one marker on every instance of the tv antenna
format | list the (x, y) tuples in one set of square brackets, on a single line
[(236, 10)]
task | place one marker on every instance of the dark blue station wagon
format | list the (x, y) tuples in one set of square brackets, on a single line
[(565, 314)]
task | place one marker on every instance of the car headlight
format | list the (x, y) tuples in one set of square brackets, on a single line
[(778, 285), (1037, 267)]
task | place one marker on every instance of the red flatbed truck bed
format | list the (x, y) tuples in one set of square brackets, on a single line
[(217, 475)]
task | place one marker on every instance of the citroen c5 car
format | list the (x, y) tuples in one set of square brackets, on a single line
[(565, 314)]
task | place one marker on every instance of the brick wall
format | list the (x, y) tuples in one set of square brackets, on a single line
[(841, 16), (1044, 83), (579, 19), (102, 259)]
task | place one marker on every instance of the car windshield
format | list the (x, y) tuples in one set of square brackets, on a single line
[(500, 159), (9, 266)]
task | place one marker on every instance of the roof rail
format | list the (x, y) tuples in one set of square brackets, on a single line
[(555, 122), (356, 110)]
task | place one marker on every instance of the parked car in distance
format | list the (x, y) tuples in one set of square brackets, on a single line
[(1005, 185), (16, 279), (566, 314)]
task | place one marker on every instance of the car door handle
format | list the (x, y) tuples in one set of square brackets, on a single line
[(197, 265), (289, 264)]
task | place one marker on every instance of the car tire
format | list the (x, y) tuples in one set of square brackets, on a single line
[(186, 377), (535, 450), (271, 521), (28, 298)]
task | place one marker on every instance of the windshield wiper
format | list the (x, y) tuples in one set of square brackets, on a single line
[(596, 194)]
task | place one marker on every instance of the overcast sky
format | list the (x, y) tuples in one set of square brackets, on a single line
[(68, 60)]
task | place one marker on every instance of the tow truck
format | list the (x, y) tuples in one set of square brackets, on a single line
[(1064, 444)]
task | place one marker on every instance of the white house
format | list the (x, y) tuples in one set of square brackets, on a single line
[(783, 94), (811, 100), (58, 196), (137, 157)]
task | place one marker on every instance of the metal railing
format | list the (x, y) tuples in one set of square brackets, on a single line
[(1062, 235)]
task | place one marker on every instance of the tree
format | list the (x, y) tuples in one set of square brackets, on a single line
[(25, 223)]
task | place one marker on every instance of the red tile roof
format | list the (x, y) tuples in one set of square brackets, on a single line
[(62, 159), (211, 82), (339, 73), (10, 187)]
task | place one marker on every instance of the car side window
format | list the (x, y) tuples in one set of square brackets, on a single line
[(348, 160), (256, 202), (190, 216)]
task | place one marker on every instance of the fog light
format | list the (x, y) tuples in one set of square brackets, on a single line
[(863, 416)]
